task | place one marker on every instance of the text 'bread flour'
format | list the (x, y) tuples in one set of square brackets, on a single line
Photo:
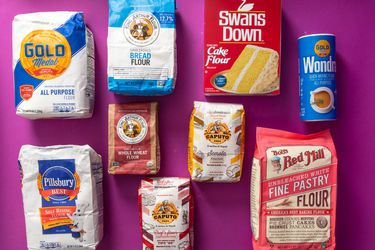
[(62, 196), (293, 191), (142, 47), (242, 47), (133, 141), (216, 142), (166, 214), (53, 63)]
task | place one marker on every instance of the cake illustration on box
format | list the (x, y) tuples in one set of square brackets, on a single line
[(254, 72)]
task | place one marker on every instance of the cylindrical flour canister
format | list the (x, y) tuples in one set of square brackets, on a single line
[(317, 77)]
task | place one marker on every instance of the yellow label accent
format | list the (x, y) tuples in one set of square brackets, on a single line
[(198, 166), (237, 114), (191, 143), (57, 223), (235, 159)]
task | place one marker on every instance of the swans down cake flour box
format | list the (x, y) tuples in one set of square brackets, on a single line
[(62, 196), (242, 47), (293, 191)]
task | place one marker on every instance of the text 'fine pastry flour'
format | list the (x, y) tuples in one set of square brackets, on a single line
[(293, 191)]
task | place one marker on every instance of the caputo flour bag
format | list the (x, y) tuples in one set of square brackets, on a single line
[(216, 142), (141, 47), (293, 190), (53, 64), (62, 196), (133, 140), (166, 213)]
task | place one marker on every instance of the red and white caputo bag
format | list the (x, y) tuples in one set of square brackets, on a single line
[(293, 191), (166, 214)]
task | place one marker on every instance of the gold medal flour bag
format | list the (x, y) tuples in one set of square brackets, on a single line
[(293, 191), (166, 214), (53, 65), (133, 142), (216, 142)]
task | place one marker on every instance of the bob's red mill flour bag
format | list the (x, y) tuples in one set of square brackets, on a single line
[(216, 142), (293, 191), (133, 143), (166, 214), (242, 47)]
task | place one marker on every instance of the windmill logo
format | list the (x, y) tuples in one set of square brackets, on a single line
[(245, 6)]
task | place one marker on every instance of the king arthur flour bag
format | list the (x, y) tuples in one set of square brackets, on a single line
[(53, 64), (133, 140), (141, 47), (216, 142), (166, 213), (293, 191), (62, 196)]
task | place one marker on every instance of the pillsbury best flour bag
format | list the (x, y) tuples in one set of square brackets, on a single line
[(293, 191), (141, 47), (53, 63), (62, 196)]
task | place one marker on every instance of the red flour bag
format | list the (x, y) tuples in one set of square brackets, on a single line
[(133, 141), (293, 191), (166, 214)]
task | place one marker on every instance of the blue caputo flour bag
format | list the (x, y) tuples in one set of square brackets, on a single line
[(53, 65), (141, 47)]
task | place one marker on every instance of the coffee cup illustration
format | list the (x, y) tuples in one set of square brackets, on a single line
[(322, 100)]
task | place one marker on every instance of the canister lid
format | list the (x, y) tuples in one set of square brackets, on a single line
[(318, 34)]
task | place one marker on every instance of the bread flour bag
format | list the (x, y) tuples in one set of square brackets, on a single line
[(62, 196), (141, 47), (133, 141), (166, 214), (293, 191), (53, 64), (216, 142)]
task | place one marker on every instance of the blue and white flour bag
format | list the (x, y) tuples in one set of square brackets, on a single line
[(53, 64), (142, 47), (62, 196)]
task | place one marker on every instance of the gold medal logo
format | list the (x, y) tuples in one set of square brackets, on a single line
[(45, 54)]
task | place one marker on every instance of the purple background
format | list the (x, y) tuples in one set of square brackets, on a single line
[(222, 210)]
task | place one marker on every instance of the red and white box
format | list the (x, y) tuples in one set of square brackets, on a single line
[(242, 47)]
